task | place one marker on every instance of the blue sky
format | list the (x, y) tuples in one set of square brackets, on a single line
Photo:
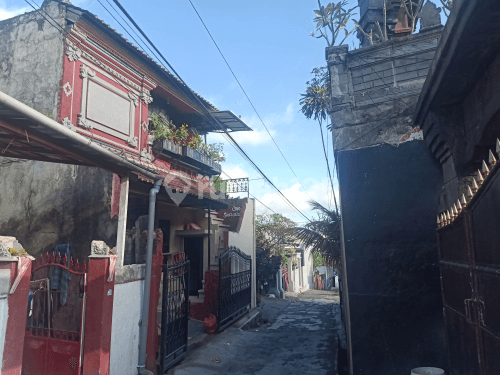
[(268, 46)]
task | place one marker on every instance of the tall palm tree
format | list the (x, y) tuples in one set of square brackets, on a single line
[(323, 234)]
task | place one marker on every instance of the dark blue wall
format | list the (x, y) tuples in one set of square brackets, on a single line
[(389, 198)]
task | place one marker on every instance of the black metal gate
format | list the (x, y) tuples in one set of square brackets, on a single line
[(235, 286), (469, 249), (174, 314)]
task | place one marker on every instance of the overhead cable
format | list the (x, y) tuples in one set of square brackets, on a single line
[(248, 98), (209, 113)]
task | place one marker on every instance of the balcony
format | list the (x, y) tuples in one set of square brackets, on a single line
[(189, 156)]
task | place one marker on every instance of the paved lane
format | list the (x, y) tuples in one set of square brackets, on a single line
[(302, 339)]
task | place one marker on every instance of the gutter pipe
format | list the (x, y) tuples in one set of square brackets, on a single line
[(84, 142), (143, 329)]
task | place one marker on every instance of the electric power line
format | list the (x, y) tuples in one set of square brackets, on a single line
[(215, 120), (248, 98), (252, 194)]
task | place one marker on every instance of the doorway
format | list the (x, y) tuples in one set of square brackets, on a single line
[(193, 250), (164, 225)]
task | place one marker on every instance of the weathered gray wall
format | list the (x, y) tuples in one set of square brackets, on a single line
[(31, 59), (389, 187), (375, 89), (45, 204)]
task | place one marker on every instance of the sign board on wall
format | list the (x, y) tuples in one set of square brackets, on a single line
[(233, 216)]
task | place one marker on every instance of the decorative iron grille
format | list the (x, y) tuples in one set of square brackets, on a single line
[(237, 185), (235, 286), (174, 313)]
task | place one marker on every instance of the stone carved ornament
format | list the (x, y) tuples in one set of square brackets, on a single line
[(132, 141), (83, 123), (86, 72), (145, 153), (67, 123), (74, 53), (99, 248), (134, 98), (146, 98), (7, 243)]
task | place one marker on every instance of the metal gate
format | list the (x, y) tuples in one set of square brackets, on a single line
[(53, 342), (235, 286), (469, 250), (174, 313)]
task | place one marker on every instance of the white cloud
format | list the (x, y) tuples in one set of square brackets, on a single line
[(319, 191), (234, 171), (9, 12)]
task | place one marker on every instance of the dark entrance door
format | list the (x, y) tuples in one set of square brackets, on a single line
[(164, 225), (193, 250), (470, 274)]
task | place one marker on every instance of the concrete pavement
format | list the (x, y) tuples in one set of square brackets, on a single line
[(300, 337)]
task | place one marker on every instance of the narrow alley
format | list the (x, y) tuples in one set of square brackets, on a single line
[(298, 338)]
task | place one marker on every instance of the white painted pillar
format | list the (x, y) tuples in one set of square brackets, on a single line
[(122, 220)]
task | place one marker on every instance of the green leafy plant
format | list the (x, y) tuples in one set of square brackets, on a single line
[(331, 21), (284, 258), (162, 128), (322, 235), (220, 184), (214, 151), (318, 259), (316, 100), (274, 232), (183, 136)]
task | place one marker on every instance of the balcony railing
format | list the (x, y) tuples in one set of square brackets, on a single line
[(188, 155)]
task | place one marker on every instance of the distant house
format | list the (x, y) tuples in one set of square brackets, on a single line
[(299, 269)]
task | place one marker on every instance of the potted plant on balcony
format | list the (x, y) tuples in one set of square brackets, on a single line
[(215, 154), (177, 141), (164, 133)]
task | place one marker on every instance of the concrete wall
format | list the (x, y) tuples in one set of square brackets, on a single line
[(45, 204), (127, 305), (388, 201), (31, 59), (389, 187), (245, 241), (375, 90), (308, 271)]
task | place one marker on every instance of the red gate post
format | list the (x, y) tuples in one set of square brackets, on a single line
[(152, 345), (15, 275), (99, 310)]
